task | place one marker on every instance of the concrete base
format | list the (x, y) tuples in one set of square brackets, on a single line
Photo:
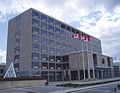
[(24, 83)]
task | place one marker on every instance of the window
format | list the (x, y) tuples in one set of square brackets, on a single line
[(35, 38), (44, 41), (58, 66), (43, 18), (51, 21), (17, 49), (44, 33), (51, 28), (65, 58), (58, 44), (63, 33), (58, 59), (58, 37), (35, 47), (35, 64), (44, 57), (44, 49), (51, 50), (103, 61), (51, 66), (35, 22), (44, 65), (51, 43), (17, 34), (57, 30), (43, 25), (64, 46), (57, 23), (17, 42), (62, 26), (51, 35), (52, 58), (35, 14), (68, 28), (35, 30), (35, 56), (18, 21), (16, 66), (58, 51), (109, 63), (16, 58)]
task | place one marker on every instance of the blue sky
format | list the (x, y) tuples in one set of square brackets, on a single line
[(99, 18)]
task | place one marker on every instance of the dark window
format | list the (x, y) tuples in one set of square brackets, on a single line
[(44, 18), (35, 30), (43, 25), (58, 51), (44, 57), (73, 30), (95, 59), (35, 47), (57, 23), (44, 49), (35, 38), (16, 66), (35, 56), (17, 49), (57, 30), (103, 61), (58, 58), (62, 26), (17, 34), (35, 14), (44, 65), (65, 58), (35, 64), (50, 20), (17, 42), (109, 63), (35, 22), (18, 21), (68, 28), (51, 50), (51, 65), (2, 71), (44, 33), (51, 35), (51, 58), (16, 58), (50, 28), (59, 66)]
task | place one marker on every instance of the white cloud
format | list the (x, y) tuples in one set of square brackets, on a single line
[(2, 56)]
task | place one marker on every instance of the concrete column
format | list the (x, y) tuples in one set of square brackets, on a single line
[(70, 75), (83, 65), (88, 65)]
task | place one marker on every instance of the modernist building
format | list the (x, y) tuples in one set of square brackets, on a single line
[(40, 45), (116, 66)]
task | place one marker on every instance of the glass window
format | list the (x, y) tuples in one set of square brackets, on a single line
[(58, 37), (58, 66), (63, 33), (35, 30), (43, 17), (57, 30), (64, 46), (51, 50), (44, 41), (58, 51), (57, 23), (35, 22), (17, 49), (44, 57), (65, 58), (44, 65), (63, 39), (35, 56), (18, 21), (51, 65), (17, 34), (51, 43), (35, 47), (35, 38), (51, 28), (16, 58), (35, 64), (44, 33), (58, 44), (51, 21), (51, 58), (17, 42), (35, 14), (43, 25), (16, 66), (58, 59), (51, 35), (44, 49)]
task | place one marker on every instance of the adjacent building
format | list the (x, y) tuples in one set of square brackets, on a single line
[(40, 45), (2, 69), (116, 66)]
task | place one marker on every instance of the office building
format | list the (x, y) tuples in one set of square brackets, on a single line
[(40, 45)]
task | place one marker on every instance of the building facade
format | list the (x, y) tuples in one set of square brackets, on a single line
[(40, 45), (116, 66)]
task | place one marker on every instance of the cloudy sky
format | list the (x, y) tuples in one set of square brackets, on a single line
[(99, 18)]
